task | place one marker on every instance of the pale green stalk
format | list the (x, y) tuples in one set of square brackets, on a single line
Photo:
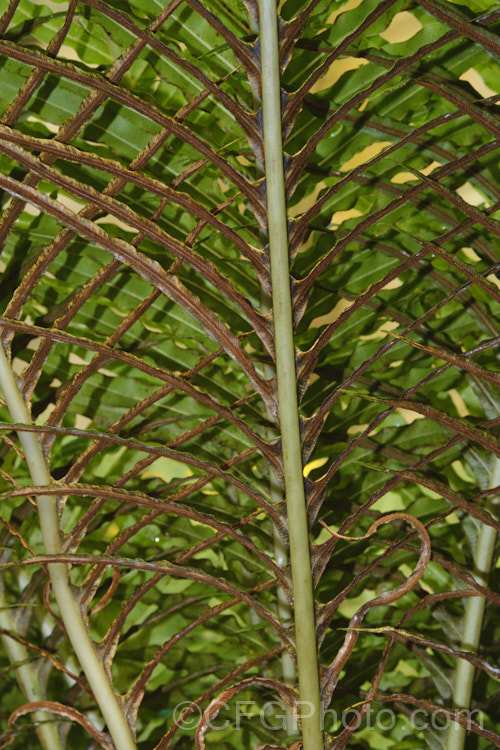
[(473, 620), (71, 615), (27, 679), (285, 614), (305, 627)]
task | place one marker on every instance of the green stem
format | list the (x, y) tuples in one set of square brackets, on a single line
[(284, 610), (58, 572), (288, 671), (27, 679), (305, 626), (473, 620)]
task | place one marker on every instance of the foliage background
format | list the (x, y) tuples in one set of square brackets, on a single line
[(136, 308)]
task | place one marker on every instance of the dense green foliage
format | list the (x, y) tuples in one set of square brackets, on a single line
[(136, 307)]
